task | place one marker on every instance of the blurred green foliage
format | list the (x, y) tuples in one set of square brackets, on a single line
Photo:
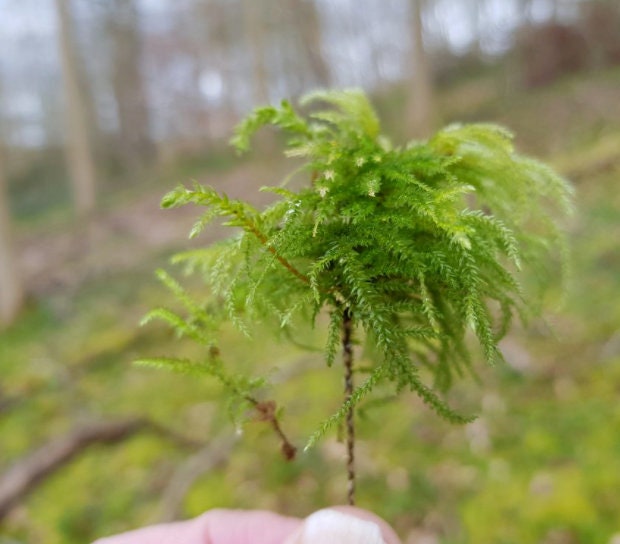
[(540, 465)]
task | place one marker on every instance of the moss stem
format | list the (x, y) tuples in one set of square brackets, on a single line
[(347, 358)]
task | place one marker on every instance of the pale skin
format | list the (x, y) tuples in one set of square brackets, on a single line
[(261, 527)]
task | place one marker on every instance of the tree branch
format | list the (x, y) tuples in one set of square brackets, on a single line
[(211, 456), (30, 472)]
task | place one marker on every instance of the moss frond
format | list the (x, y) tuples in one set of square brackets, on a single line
[(419, 244)]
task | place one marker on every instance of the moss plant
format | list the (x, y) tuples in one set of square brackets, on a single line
[(405, 248)]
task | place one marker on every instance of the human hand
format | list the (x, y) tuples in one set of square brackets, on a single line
[(339, 525)]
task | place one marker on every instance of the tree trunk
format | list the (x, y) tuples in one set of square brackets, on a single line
[(474, 9), (307, 23), (215, 24), (136, 145), (253, 18), (11, 292), (525, 7), (555, 11), (421, 105), (221, 38), (80, 156)]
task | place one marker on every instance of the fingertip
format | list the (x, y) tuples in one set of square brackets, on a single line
[(345, 525), (387, 531)]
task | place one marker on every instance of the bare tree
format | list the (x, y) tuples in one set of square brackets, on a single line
[(136, 145), (421, 114), (80, 156), (11, 292)]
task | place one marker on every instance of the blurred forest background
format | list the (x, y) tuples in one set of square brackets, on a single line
[(107, 104)]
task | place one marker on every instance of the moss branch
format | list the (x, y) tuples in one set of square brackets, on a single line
[(263, 239), (267, 412)]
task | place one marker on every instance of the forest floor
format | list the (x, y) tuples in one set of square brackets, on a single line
[(541, 464)]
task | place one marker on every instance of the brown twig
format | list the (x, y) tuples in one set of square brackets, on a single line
[(266, 411), (172, 436), (28, 473), (211, 456)]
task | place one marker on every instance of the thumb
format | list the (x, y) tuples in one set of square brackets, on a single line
[(344, 525)]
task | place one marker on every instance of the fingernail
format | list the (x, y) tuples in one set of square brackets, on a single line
[(331, 526)]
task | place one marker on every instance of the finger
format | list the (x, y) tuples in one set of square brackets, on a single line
[(247, 527), (189, 532), (215, 527), (344, 525)]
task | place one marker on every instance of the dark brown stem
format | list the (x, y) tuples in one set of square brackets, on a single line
[(250, 227), (347, 359), (263, 240), (266, 411)]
